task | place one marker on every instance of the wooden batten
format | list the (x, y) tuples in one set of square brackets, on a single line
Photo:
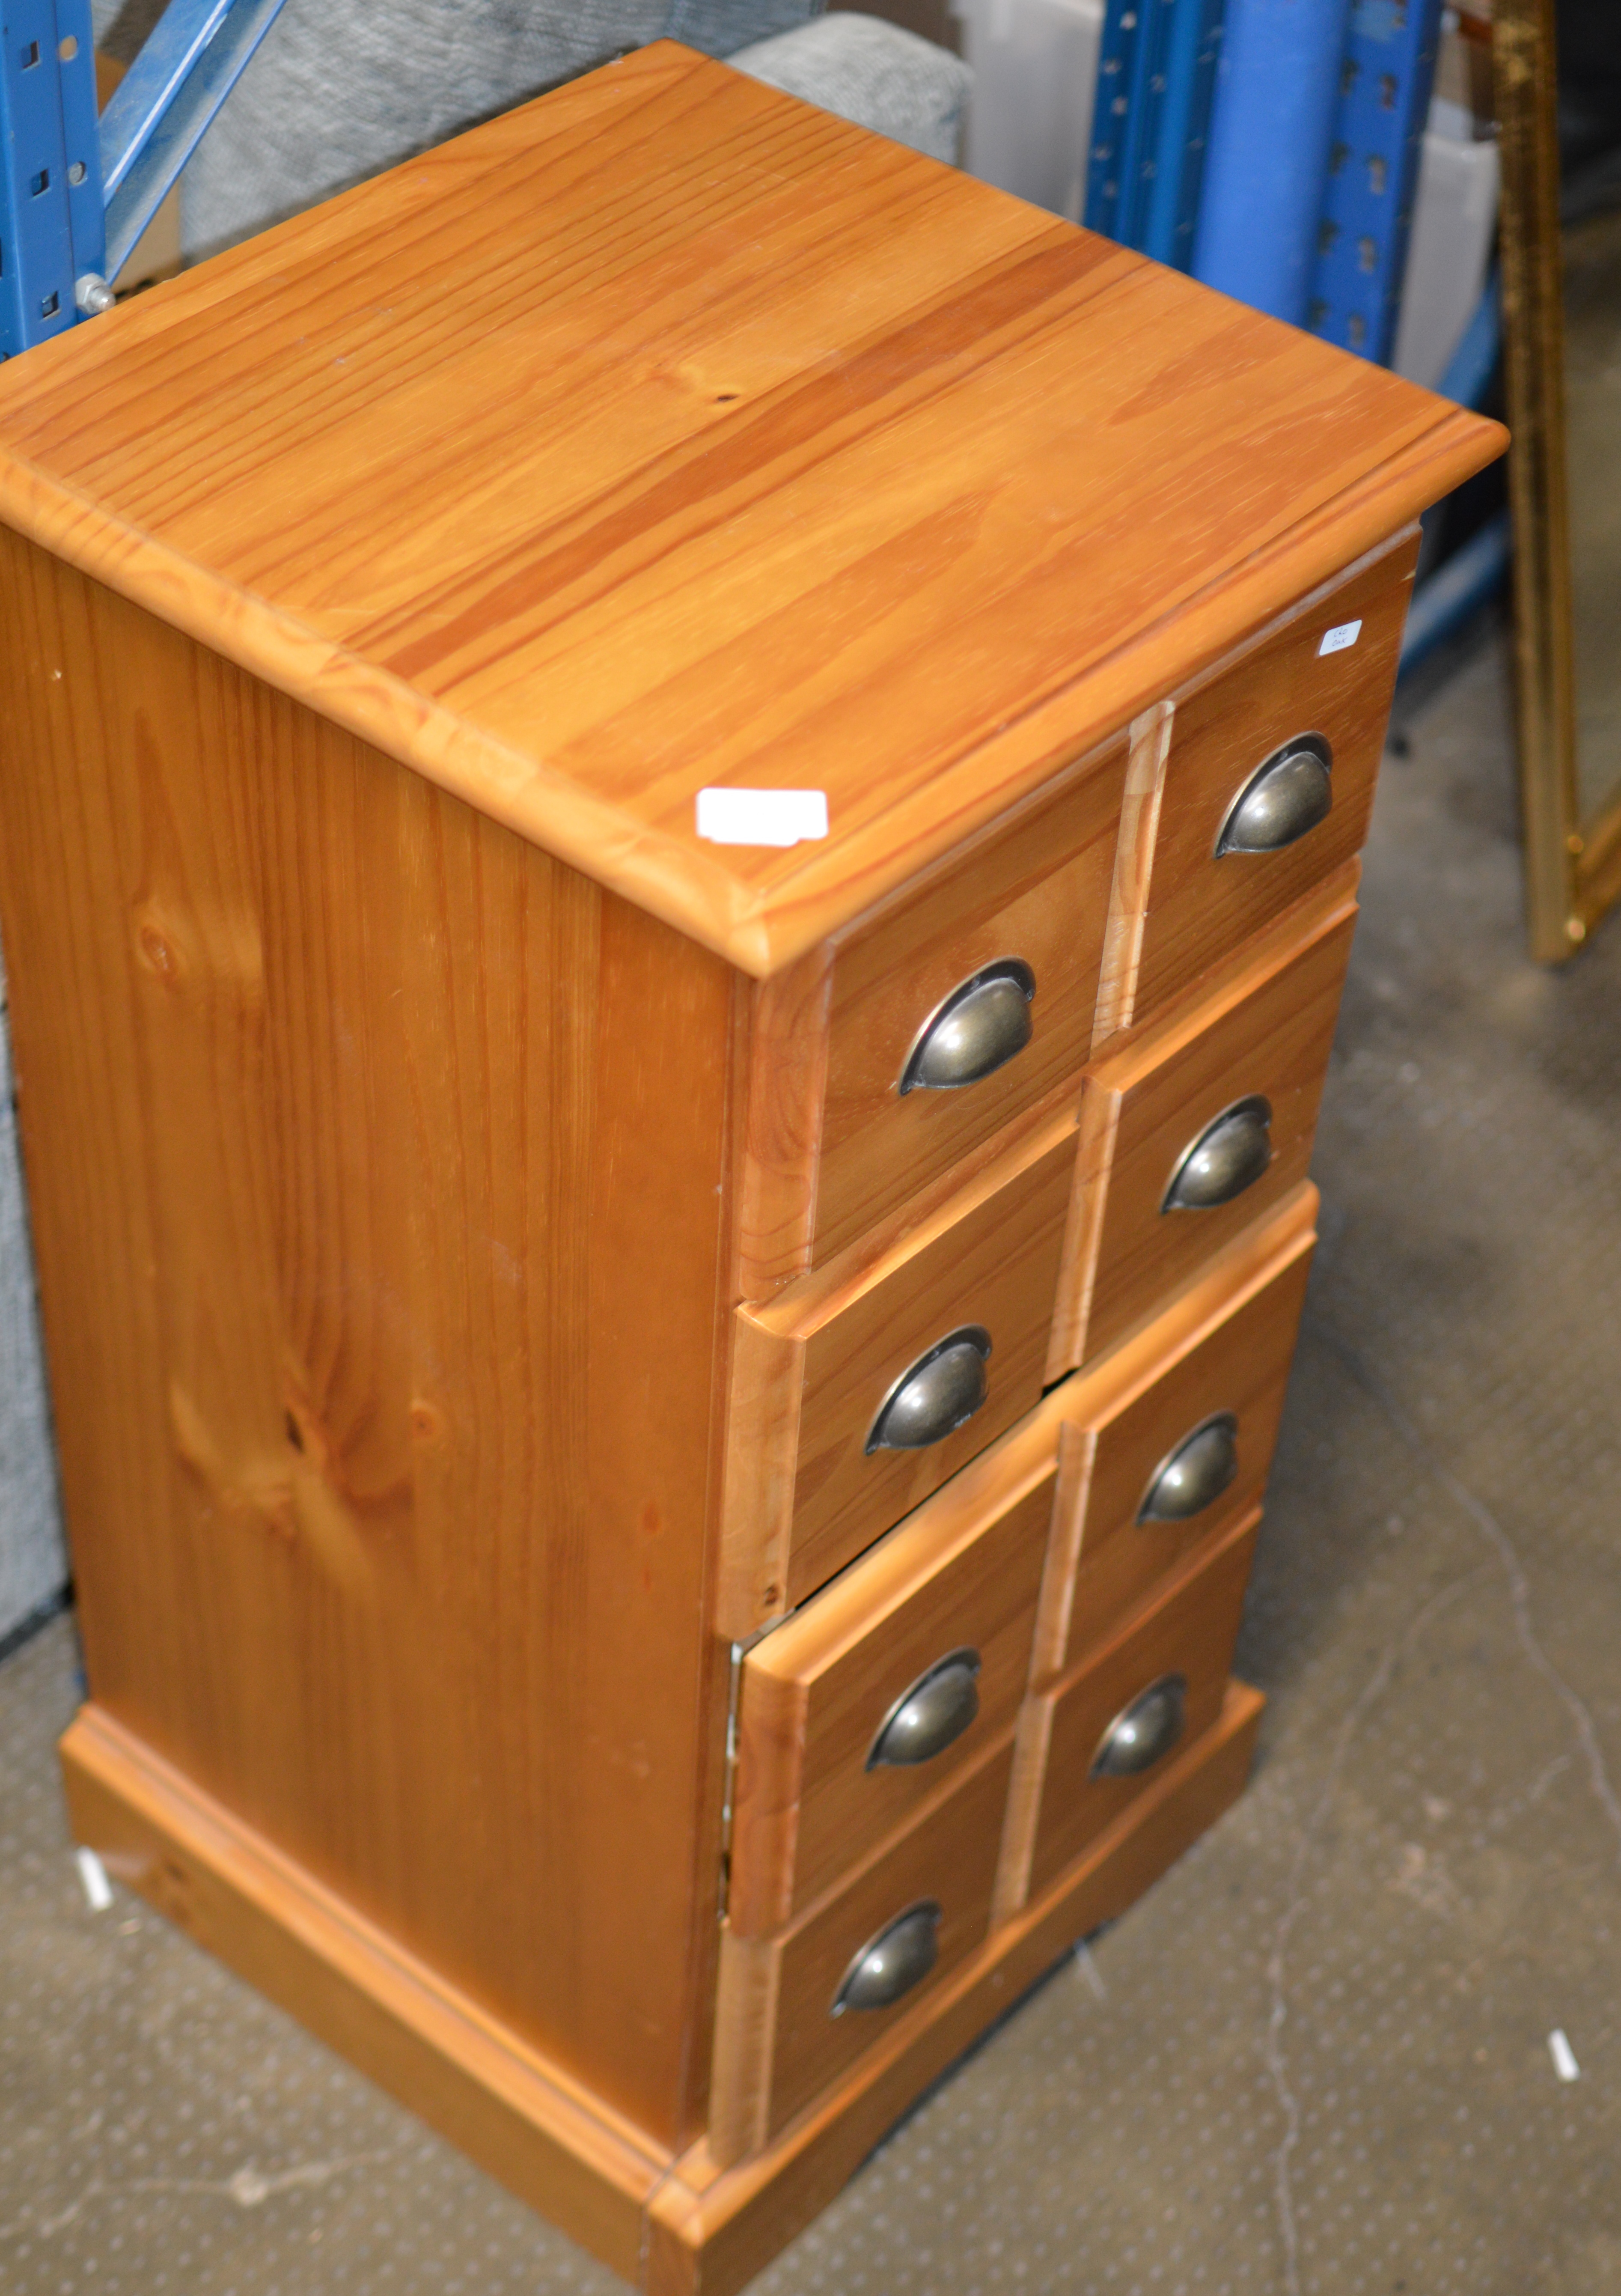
[(745, 2035), (1151, 744), (1096, 1131), (764, 1406), (1023, 1805), (787, 1082)]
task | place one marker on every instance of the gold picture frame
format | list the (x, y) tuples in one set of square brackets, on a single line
[(1572, 866)]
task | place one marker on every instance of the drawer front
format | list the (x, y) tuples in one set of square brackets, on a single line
[(1165, 1471), (1198, 904), (1036, 895), (1156, 1686), (890, 1682), (1200, 1126), (853, 1401), (797, 2011)]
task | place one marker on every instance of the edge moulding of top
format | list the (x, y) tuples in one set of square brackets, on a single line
[(759, 930)]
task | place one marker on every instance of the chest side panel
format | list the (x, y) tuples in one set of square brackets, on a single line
[(378, 1166)]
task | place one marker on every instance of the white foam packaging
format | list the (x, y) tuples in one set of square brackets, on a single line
[(1454, 220), (1035, 70)]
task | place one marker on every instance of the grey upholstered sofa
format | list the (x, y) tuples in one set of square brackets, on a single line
[(340, 89), (31, 1564)]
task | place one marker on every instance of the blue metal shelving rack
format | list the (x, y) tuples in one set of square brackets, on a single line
[(76, 192), (1156, 78), (1386, 78)]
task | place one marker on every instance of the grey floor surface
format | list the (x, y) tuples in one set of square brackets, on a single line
[(1315, 2060)]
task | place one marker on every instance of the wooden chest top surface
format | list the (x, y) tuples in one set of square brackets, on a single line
[(667, 433)]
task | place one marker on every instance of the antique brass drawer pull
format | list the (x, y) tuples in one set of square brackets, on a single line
[(934, 1396), (1229, 1156), (1197, 1472), (900, 1956), (980, 1027), (930, 1715), (1283, 800), (1149, 1727)]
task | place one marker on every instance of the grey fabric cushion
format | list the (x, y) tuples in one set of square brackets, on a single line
[(32, 1565), (870, 72), (717, 27), (344, 88)]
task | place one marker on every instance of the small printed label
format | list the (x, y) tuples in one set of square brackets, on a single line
[(758, 816), (1337, 640)]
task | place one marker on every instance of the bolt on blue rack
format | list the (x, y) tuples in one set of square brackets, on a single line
[(76, 192), (52, 220)]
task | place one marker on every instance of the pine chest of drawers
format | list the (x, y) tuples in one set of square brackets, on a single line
[(663, 1435)]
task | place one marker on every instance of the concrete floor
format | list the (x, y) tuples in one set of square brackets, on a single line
[(1315, 2060)]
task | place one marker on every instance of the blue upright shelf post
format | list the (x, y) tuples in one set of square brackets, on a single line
[(1192, 53), (1155, 77), (1115, 115), (1277, 90), (1386, 75), (76, 192), (51, 214)]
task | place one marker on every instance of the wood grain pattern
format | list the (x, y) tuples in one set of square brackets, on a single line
[(1193, 910), (711, 2230), (363, 1138), (764, 452), (803, 1496), (1031, 1738), (1264, 1025), (781, 1138), (1188, 1331), (1240, 1366), (769, 2067), (834, 1155), (1139, 834), (434, 2047), (1037, 890), (962, 1573), (746, 2003), (1190, 1630)]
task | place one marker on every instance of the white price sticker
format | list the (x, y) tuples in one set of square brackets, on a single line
[(1336, 641), (761, 817), (93, 1875)]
